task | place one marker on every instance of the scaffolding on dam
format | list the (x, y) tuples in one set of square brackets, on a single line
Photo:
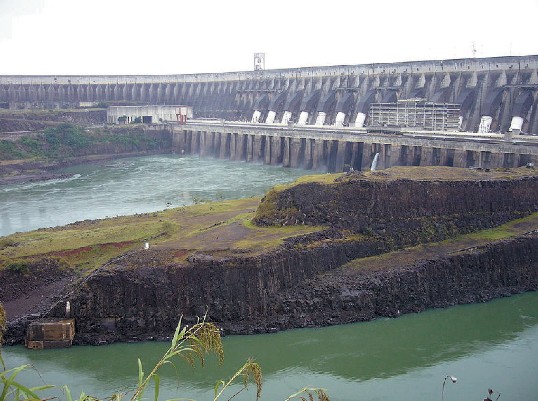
[(416, 113)]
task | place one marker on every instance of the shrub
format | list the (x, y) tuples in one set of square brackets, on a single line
[(190, 344)]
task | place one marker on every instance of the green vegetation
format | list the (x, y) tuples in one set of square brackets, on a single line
[(86, 245), (450, 246), (2, 328), (190, 344), (69, 140)]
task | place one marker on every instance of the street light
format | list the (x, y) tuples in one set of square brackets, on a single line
[(453, 380)]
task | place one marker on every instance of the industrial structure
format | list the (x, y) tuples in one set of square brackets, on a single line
[(417, 114), (493, 94), (148, 114)]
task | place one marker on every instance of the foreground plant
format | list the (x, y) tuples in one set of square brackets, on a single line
[(191, 344)]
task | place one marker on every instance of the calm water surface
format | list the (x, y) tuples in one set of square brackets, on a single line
[(487, 345)]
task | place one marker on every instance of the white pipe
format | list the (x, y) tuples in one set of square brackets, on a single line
[(256, 116), (286, 117), (270, 117), (339, 121), (485, 124), (320, 119), (517, 123), (302, 118), (359, 121)]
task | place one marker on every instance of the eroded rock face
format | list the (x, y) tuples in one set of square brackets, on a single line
[(142, 295), (285, 290), (403, 209)]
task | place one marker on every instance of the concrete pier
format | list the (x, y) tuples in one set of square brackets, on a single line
[(343, 149)]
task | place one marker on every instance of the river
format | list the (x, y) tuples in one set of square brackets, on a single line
[(132, 185), (492, 345), (485, 345)]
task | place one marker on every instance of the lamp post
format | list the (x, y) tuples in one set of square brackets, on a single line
[(453, 380)]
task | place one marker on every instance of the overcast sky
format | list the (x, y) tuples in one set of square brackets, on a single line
[(62, 37)]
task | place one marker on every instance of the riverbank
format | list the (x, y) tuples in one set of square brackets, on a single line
[(263, 278), (36, 156), (20, 171)]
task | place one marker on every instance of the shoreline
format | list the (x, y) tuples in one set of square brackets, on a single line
[(326, 262), (23, 171)]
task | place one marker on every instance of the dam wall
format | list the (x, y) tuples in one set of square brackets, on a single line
[(493, 94), (343, 150)]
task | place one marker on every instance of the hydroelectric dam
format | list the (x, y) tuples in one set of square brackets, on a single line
[(476, 112)]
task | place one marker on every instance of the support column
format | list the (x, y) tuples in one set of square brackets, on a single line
[(195, 142), (233, 146), (368, 153), (258, 152), (276, 153), (395, 152), (340, 155), (308, 154), (203, 144), (426, 156), (224, 145), (296, 150), (268, 146), (508, 160), (286, 155), (444, 157), (460, 159), (241, 147), (318, 159), (250, 148), (356, 156)]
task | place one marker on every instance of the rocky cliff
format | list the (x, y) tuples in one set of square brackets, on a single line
[(348, 272), (291, 289), (435, 205)]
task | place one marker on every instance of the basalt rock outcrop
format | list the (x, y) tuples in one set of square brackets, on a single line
[(290, 290), (404, 210), (313, 280)]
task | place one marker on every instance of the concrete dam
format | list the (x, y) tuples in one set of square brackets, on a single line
[(493, 91), (324, 117)]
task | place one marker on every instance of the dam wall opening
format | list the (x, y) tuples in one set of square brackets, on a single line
[(493, 94)]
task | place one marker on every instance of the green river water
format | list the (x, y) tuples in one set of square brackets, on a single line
[(491, 345)]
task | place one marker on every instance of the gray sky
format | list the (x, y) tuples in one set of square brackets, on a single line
[(62, 37)]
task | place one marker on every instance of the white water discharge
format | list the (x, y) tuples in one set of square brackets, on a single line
[(485, 124), (302, 118), (359, 121), (517, 123), (256, 116), (286, 117), (320, 119), (270, 117), (374, 162), (339, 121)]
